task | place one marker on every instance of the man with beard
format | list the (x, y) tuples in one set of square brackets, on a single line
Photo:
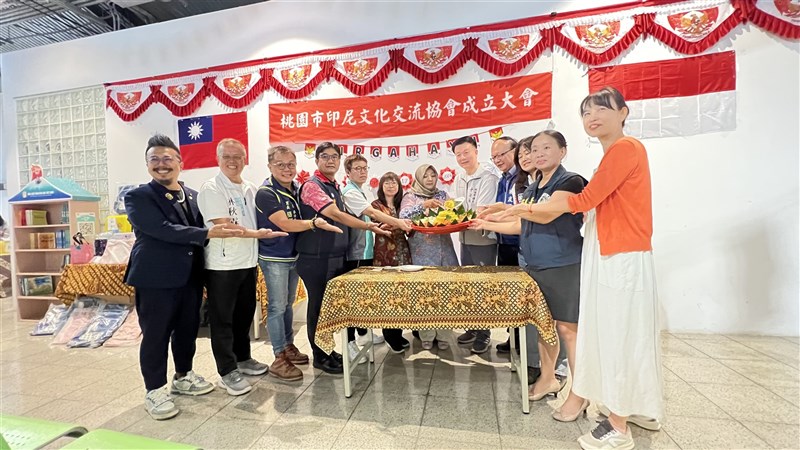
[(166, 268)]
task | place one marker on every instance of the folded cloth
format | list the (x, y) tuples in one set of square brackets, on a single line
[(85, 308), (55, 318), (129, 334), (107, 320)]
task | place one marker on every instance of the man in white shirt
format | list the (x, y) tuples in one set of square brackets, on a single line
[(231, 273), (477, 185)]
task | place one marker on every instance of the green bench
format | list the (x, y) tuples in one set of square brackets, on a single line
[(28, 433), (114, 440)]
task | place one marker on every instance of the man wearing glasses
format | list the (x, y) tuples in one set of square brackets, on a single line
[(231, 273), (166, 268), (503, 149), (477, 185), (278, 207), (321, 254), (359, 253)]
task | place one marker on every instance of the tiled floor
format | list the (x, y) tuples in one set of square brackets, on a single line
[(721, 391)]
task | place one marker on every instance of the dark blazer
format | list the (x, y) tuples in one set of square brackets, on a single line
[(167, 247)]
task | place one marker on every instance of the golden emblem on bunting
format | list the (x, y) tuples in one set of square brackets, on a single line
[(510, 48), (788, 8), (237, 86), (434, 57), (360, 70), (296, 77), (181, 92), (599, 35), (129, 100), (694, 24)]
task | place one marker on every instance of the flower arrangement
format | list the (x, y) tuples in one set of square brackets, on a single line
[(452, 212)]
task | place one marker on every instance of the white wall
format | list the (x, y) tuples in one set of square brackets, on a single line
[(725, 204)]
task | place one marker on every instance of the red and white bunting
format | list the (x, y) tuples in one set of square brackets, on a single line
[(129, 103), (297, 81), (509, 49), (694, 30), (361, 70), (412, 152), (598, 37), (781, 17), (433, 58), (182, 98), (236, 90), (393, 152)]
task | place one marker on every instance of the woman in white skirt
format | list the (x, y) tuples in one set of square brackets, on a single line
[(618, 353)]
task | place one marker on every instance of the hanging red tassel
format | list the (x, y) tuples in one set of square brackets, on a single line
[(594, 59), (232, 102), (680, 45), (447, 71)]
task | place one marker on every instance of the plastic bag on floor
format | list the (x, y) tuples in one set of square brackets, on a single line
[(128, 335), (107, 320), (83, 311), (53, 320)]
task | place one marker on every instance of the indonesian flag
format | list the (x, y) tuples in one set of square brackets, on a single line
[(199, 136), (675, 97)]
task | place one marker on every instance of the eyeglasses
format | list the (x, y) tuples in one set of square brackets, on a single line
[(155, 160), (360, 168), (329, 157), (236, 158), (500, 155), (284, 166)]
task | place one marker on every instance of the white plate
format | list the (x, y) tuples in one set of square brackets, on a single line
[(410, 268)]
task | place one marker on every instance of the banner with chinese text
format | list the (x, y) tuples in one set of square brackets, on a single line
[(485, 104)]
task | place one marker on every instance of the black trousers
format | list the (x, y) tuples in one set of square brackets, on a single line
[(392, 335), (507, 255), (231, 305), (167, 315), (315, 273)]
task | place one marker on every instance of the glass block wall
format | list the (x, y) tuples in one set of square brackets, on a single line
[(65, 133)]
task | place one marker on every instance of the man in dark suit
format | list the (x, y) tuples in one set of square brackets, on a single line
[(166, 267)]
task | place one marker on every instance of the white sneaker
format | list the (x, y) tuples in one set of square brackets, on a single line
[(235, 384), (191, 384), (159, 404), (363, 340), (604, 436), (353, 350), (643, 422)]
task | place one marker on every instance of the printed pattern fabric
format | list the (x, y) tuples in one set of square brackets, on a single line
[(471, 297), (390, 250), (107, 320), (129, 334)]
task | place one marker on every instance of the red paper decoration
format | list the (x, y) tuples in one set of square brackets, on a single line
[(405, 180), (303, 176), (374, 183), (447, 176)]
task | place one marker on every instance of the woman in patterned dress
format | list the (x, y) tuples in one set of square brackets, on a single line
[(428, 249), (391, 250)]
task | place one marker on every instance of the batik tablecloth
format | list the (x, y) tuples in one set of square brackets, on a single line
[(471, 297)]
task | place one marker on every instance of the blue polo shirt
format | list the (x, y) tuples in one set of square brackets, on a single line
[(505, 194), (271, 198)]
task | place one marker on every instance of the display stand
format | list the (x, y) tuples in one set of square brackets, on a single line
[(69, 209)]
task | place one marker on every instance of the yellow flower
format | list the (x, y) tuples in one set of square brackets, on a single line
[(449, 204)]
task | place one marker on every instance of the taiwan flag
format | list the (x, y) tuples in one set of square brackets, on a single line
[(199, 136)]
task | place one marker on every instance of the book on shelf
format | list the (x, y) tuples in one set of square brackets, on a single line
[(35, 217), (40, 285), (46, 240)]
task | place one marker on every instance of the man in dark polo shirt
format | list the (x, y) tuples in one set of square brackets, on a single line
[(277, 207), (321, 254)]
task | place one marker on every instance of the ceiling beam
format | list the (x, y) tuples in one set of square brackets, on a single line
[(86, 15)]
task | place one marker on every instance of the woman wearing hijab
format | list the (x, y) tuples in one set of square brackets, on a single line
[(428, 249)]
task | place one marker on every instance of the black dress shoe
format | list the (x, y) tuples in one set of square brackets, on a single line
[(336, 357), (415, 333), (503, 347), (533, 374), (328, 365)]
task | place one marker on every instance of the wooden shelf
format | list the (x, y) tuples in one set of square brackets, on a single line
[(55, 225), (37, 297), (36, 274), (35, 250)]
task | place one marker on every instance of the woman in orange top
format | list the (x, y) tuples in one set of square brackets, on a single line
[(618, 359)]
